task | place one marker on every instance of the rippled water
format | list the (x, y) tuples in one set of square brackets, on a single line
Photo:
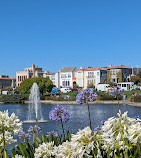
[(79, 115)]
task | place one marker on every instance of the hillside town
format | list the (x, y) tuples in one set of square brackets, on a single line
[(71, 77)]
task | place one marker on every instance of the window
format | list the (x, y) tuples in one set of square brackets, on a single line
[(80, 83), (53, 77), (97, 73), (68, 83), (63, 83), (79, 74), (69, 75), (124, 85), (90, 74)]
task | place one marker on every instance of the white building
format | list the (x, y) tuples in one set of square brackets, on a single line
[(66, 76), (54, 77), (95, 76)]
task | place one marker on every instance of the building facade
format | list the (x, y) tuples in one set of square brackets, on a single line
[(6, 82), (66, 76), (79, 77), (30, 72), (96, 75), (116, 74)]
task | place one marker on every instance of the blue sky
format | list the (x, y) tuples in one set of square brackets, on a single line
[(57, 33)]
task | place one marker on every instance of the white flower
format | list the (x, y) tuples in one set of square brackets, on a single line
[(18, 156), (44, 150), (64, 151), (83, 142), (8, 139), (8, 126), (115, 130)]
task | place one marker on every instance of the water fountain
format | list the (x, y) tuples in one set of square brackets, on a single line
[(34, 108)]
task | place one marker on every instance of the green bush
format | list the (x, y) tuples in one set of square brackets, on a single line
[(106, 96), (25, 96), (137, 98), (12, 98), (45, 85)]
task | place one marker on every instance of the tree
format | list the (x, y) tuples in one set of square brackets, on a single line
[(75, 86), (119, 76), (136, 79), (108, 76), (45, 84)]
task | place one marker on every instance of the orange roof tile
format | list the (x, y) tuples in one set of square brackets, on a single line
[(118, 67), (104, 68)]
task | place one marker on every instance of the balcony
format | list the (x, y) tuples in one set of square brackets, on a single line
[(90, 77)]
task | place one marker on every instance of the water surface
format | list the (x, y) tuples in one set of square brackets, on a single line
[(79, 115)]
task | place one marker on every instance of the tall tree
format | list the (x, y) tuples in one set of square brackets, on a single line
[(45, 84)]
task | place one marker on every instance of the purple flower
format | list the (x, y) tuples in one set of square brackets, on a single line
[(24, 135), (59, 113), (52, 133), (102, 122), (34, 130), (137, 117), (98, 128), (111, 94), (86, 95), (115, 93)]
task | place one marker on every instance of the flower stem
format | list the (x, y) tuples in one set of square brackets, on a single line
[(118, 104), (62, 128), (89, 115), (33, 137), (4, 144)]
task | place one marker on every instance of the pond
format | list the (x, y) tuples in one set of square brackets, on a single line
[(79, 115)]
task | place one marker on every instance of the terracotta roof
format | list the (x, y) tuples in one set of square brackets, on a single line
[(118, 67), (67, 69), (96, 68), (80, 69), (104, 68)]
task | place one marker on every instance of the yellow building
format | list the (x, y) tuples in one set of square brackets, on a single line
[(30, 72)]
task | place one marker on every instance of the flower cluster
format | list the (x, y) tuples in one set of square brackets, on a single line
[(18, 156), (85, 96), (52, 133), (113, 137), (8, 126), (80, 145), (8, 138), (24, 135), (115, 93), (44, 150), (34, 130), (59, 113), (98, 128), (115, 131)]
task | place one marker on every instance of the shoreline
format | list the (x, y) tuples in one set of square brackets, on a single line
[(126, 102)]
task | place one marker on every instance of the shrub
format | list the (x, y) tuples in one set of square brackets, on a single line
[(106, 96), (137, 98), (12, 98)]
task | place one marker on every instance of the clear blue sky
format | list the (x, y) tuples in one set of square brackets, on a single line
[(57, 33)]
